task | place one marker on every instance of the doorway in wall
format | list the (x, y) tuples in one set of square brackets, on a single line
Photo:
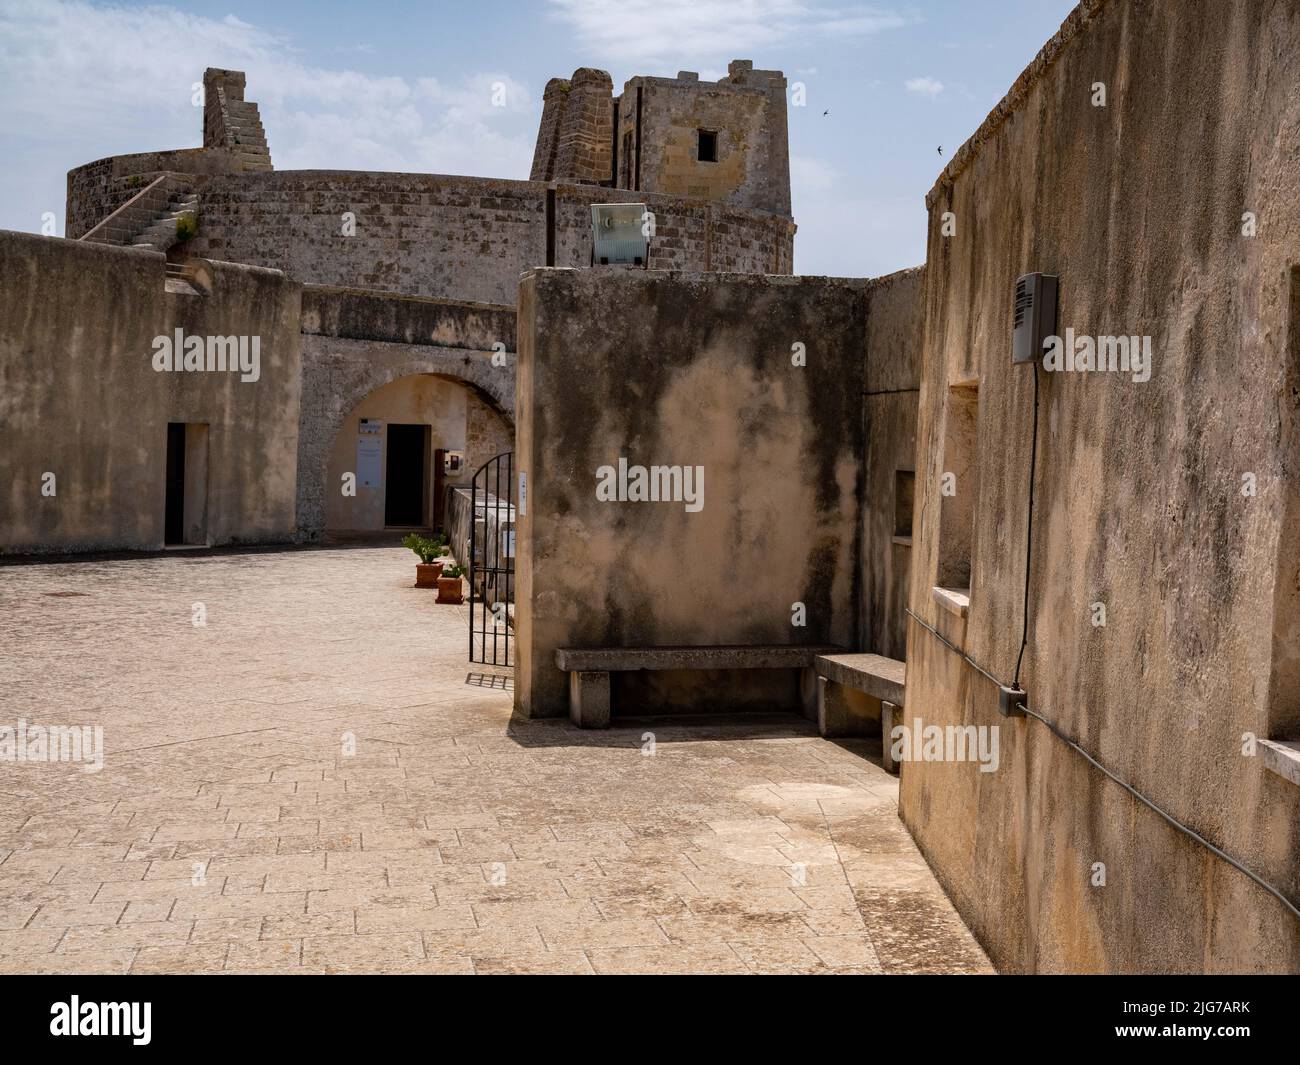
[(185, 519), (406, 480)]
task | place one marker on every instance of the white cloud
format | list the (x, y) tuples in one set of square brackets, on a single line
[(92, 81), (926, 86), (659, 32)]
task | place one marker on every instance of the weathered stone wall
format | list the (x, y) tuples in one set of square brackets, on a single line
[(690, 235), (747, 111), (1138, 504), (452, 237), (895, 318), (691, 370), (488, 432), (355, 343), (79, 398), (97, 189), (456, 237)]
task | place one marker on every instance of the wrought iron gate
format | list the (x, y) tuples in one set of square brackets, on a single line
[(490, 516)]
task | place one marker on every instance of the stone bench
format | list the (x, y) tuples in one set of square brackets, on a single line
[(589, 668), (874, 675)]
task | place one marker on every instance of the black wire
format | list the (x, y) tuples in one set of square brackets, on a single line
[(1055, 731), (1029, 528), (1177, 824)]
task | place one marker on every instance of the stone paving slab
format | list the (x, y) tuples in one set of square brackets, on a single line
[(307, 783)]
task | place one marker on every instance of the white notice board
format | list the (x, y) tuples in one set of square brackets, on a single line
[(370, 461)]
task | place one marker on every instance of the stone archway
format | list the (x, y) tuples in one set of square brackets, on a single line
[(338, 374)]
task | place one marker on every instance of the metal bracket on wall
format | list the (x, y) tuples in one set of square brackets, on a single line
[(1011, 701)]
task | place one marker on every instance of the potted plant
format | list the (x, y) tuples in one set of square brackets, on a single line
[(449, 586), (427, 549)]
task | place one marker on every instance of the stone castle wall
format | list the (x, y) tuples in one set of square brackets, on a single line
[(1137, 500), (354, 343), (81, 399), (458, 237), (895, 326)]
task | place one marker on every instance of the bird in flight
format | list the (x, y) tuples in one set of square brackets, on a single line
[(941, 149)]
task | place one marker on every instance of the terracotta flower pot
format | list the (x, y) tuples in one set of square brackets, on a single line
[(427, 574), (449, 590)]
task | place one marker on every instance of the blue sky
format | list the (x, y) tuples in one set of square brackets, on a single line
[(408, 86)]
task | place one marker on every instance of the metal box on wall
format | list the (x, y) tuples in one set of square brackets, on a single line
[(1034, 318)]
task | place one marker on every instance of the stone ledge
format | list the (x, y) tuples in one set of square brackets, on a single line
[(1282, 757), (402, 318), (621, 659), (954, 600)]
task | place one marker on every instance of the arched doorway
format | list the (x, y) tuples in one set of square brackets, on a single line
[(339, 374), (404, 444)]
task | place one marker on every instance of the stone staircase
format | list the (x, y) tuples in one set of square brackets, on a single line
[(245, 135), (160, 234), (149, 219)]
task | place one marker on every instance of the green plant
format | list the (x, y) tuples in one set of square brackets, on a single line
[(428, 548), (186, 225), (453, 571)]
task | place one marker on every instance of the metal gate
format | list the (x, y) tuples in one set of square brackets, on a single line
[(490, 514)]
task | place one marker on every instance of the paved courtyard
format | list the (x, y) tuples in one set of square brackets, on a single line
[(231, 829)]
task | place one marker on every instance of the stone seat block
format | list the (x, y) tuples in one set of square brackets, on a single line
[(881, 678), (740, 656), (589, 669)]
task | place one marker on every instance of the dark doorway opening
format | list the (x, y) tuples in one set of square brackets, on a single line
[(174, 520), (185, 518), (406, 477)]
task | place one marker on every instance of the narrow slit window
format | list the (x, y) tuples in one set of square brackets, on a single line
[(904, 493)]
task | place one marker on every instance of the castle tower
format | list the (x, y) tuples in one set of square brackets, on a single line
[(576, 137), (725, 141)]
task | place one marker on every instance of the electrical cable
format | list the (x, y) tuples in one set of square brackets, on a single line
[(1127, 787), (1029, 528)]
